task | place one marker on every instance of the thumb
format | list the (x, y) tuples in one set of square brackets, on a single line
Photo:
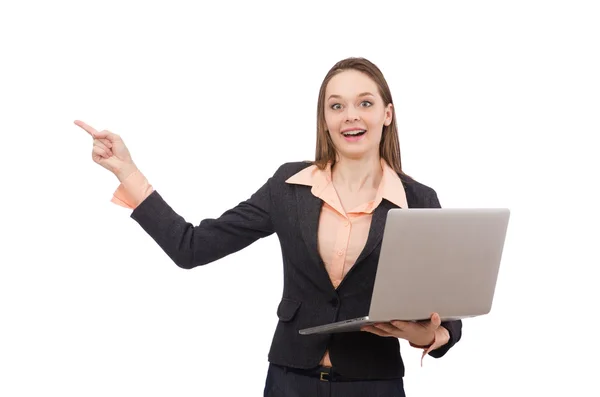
[(436, 321)]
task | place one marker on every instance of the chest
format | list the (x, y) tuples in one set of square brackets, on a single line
[(343, 232)]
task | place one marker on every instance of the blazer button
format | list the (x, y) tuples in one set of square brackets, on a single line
[(334, 302)]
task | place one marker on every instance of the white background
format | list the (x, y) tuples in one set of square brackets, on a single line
[(497, 104)]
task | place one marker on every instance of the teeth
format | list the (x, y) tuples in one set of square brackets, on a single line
[(352, 133)]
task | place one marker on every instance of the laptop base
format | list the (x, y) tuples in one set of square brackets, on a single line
[(356, 324), (352, 325)]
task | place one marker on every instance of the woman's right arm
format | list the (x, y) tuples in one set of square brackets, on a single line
[(187, 245)]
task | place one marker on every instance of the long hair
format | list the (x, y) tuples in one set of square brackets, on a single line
[(389, 147)]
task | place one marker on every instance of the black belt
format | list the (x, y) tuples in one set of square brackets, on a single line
[(325, 374)]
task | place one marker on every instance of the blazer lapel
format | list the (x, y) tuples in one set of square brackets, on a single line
[(309, 210), (376, 229)]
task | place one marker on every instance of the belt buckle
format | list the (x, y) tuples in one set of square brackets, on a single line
[(323, 376)]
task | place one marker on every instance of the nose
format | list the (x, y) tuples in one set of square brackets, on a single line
[(352, 114)]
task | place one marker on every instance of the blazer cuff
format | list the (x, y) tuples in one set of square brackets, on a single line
[(454, 332)]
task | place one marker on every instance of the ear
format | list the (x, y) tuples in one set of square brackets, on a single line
[(389, 114)]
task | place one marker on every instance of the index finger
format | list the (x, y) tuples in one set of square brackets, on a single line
[(90, 130)]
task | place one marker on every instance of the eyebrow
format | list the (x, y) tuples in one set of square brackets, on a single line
[(359, 95)]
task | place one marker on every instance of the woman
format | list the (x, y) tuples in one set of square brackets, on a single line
[(329, 216)]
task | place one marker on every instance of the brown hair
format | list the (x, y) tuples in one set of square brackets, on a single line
[(389, 148)]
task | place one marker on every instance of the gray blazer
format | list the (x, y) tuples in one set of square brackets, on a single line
[(309, 298)]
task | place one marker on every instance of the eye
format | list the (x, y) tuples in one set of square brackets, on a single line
[(366, 104), (336, 106)]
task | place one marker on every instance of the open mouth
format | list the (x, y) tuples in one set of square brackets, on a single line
[(354, 133)]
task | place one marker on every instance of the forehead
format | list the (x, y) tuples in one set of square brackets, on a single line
[(350, 83)]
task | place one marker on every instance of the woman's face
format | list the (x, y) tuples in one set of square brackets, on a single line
[(355, 114)]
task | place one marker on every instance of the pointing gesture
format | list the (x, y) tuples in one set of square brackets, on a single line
[(109, 151)]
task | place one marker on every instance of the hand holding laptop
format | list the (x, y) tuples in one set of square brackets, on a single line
[(418, 333)]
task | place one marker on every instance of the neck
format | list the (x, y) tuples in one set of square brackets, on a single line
[(357, 174)]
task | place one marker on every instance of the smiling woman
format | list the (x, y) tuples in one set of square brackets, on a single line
[(354, 116), (356, 88), (332, 206)]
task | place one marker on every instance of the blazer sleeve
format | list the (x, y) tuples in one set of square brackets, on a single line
[(454, 327), (190, 246)]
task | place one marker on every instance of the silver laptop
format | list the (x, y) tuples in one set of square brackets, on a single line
[(442, 260)]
